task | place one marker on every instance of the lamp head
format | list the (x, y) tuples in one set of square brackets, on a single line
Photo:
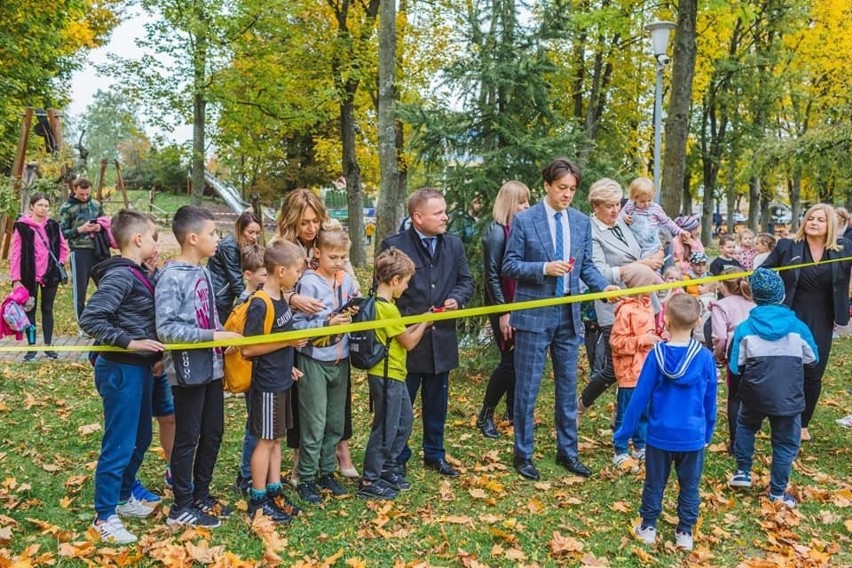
[(660, 31)]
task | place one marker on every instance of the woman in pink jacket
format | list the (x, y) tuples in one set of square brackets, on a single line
[(37, 246)]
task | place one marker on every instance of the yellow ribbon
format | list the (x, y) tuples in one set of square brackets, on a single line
[(429, 316)]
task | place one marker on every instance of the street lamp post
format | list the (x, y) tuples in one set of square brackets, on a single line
[(659, 31)]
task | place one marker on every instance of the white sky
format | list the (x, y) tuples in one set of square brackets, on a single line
[(122, 42)]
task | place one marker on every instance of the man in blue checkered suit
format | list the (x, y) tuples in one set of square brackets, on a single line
[(549, 250)]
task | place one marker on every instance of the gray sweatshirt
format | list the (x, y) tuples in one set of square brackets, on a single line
[(186, 313), (316, 286)]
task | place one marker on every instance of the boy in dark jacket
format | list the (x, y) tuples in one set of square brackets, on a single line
[(121, 313), (677, 386), (186, 313), (770, 350)]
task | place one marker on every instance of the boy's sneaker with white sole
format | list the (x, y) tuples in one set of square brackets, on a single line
[(683, 540), (113, 531), (133, 507), (740, 479), (785, 499), (648, 535), (191, 515)]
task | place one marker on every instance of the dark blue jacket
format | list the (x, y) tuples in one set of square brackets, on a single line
[(121, 309), (446, 275), (769, 350)]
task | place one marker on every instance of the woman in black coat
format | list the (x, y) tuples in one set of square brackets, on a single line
[(819, 294), (513, 197), (225, 266)]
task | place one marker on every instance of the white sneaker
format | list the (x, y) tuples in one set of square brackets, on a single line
[(638, 454), (625, 463), (683, 540), (133, 507), (112, 530), (648, 535)]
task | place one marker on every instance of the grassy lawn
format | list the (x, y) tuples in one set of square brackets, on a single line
[(50, 435)]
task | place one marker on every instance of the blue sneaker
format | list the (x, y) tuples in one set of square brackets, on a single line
[(785, 499), (141, 493), (167, 478), (740, 479)]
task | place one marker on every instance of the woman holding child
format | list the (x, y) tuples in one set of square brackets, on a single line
[(618, 257), (37, 246), (818, 293), (512, 198), (302, 216)]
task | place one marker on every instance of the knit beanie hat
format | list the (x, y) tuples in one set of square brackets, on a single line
[(687, 222), (698, 258), (767, 288)]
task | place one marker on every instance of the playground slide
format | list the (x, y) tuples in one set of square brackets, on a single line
[(231, 196)]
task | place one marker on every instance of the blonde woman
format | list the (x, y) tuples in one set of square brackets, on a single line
[(818, 292), (512, 198)]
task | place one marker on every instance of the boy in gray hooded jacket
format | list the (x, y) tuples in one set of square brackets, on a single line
[(186, 313)]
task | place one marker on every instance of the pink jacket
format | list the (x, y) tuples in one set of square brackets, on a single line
[(725, 315), (42, 256), (681, 253)]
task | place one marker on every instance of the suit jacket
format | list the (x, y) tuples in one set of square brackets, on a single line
[(530, 246), (609, 253), (446, 275), (789, 252)]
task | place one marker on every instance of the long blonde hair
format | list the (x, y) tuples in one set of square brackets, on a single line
[(831, 225), (511, 194), (293, 209)]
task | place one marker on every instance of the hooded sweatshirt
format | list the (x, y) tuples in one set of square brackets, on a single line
[(770, 350), (186, 313), (678, 387), (634, 319), (332, 348), (121, 309), (20, 247)]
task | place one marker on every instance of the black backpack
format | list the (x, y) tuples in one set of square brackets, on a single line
[(365, 350)]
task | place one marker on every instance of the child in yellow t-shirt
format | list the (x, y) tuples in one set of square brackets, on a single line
[(392, 413)]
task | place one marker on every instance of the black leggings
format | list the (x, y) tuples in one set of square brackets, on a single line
[(48, 297), (733, 406), (603, 378), (502, 382)]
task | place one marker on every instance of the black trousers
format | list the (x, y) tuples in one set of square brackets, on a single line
[(814, 373), (605, 376), (48, 297), (199, 425), (82, 261), (502, 382)]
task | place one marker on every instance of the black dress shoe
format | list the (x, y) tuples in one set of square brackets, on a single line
[(526, 468), (441, 466), (574, 465)]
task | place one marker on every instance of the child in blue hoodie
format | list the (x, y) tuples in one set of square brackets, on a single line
[(677, 385), (770, 350)]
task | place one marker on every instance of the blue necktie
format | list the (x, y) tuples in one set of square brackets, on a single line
[(560, 252), (430, 245)]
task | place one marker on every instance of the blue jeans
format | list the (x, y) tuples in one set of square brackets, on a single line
[(658, 466), (530, 354), (624, 396), (249, 443), (434, 413), (786, 432), (126, 393)]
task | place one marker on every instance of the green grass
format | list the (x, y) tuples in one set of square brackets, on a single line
[(488, 517)]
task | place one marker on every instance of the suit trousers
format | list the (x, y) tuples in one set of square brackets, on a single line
[(530, 353), (435, 390)]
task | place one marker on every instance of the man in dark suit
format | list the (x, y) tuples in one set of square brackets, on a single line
[(548, 252), (442, 280)]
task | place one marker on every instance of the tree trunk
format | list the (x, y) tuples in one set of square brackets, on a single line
[(795, 188), (352, 173), (677, 121), (389, 194), (754, 186)]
